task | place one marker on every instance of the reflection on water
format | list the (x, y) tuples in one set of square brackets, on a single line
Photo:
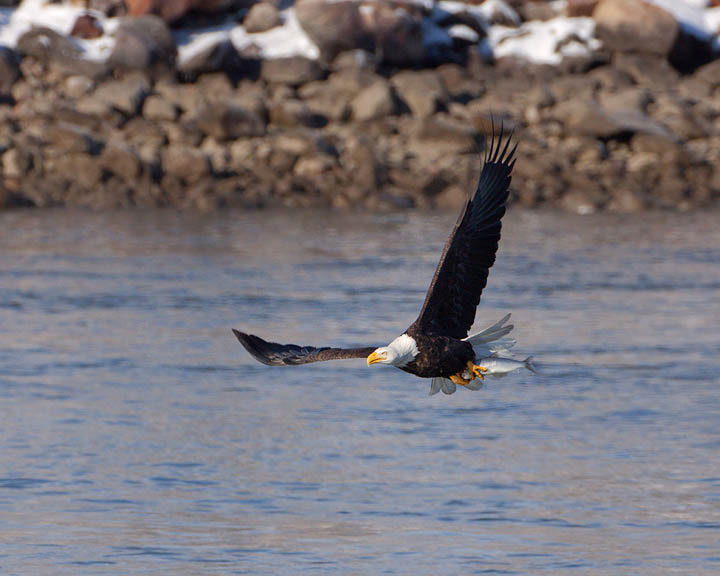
[(139, 438)]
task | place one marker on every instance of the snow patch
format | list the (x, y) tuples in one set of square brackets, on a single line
[(544, 42), (60, 18), (280, 42)]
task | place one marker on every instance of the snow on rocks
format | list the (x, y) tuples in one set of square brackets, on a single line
[(547, 42)]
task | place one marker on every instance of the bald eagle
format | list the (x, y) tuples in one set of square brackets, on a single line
[(437, 344)]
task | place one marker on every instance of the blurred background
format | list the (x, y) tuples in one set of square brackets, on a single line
[(205, 105), (170, 170)]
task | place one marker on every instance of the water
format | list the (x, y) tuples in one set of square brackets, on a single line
[(137, 437)]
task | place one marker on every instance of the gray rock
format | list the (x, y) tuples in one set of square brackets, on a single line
[(626, 201), (591, 119), (333, 26), (364, 167), (451, 198), (261, 17), (77, 86), (188, 164), (227, 121), (118, 159), (375, 101), (9, 71), (58, 52), (322, 98), (422, 91), (82, 170), (635, 26), (397, 34), (710, 73), (125, 95), (68, 138), (635, 99), (14, 164), (354, 59), (647, 70), (291, 113), (144, 133), (45, 44), (294, 70), (158, 108), (448, 132), (143, 43)]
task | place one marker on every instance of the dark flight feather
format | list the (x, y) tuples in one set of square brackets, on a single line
[(274, 354), (461, 274)]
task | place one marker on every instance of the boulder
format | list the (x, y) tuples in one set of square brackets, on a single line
[(47, 45), (227, 121), (633, 98), (188, 164), (709, 73), (82, 170), (649, 70), (289, 113), (9, 71), (261, 17), (14, 163), (158, 108), (87, 26), (447, 133), (635, 26), (77, 86), (375, 101), (67, 138), (143, 43), (423, 92), (125, 95), (323, 98), (118, 159), (588, 118), (334, 27), (293, 70), (396, 33)]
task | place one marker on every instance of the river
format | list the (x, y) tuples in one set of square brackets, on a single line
[(138, 437)]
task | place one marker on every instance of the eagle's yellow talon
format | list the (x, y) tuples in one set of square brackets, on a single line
[(459, 380), (476, 371)]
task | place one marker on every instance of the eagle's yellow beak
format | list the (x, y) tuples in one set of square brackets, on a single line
[(373, 358)]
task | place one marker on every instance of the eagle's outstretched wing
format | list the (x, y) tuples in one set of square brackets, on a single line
[(462, 272), (274, 354)]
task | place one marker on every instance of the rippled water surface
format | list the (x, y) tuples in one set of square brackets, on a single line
[(137, 437)]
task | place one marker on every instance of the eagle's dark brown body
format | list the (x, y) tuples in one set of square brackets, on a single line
[(440, 356)]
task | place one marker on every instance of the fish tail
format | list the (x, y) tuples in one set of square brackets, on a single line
[(530, 364)]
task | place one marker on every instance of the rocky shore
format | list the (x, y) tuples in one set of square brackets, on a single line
[(626, 119)]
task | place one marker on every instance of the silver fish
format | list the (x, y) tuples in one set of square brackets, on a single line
[(499, 366)]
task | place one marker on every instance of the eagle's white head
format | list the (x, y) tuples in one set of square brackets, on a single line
[(399, 352)]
